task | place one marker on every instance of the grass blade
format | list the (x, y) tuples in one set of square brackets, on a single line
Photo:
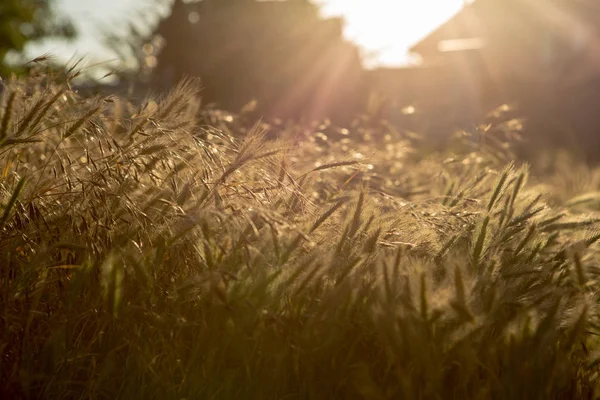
[(12, 202)]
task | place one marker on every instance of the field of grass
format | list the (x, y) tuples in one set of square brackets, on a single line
[(169, 251)]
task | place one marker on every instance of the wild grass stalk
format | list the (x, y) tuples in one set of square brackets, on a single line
[(158, 257)]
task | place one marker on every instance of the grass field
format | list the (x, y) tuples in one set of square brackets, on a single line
[(168, 251)]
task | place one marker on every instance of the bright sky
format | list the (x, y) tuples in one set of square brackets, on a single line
[(388, 28), (385, 29)]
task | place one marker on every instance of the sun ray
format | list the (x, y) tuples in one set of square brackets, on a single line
[(389, 28)]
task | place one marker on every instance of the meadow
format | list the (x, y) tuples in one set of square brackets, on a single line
[(167, 250)]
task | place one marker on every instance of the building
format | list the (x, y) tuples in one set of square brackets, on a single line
[(543, 55)]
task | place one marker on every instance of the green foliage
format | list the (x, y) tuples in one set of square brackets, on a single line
[(164, 251), (23, 21)]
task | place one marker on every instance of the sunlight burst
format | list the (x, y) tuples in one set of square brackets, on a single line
[(386, 29)]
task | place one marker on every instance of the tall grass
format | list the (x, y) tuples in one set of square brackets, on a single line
[(164, 250)]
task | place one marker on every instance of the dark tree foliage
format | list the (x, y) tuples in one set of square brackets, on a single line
[(283, 54), (24, 21)]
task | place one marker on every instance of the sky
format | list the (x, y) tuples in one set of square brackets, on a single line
[(388, 28), (384, 29)]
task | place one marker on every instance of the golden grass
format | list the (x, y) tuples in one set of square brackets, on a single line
[(167, 251)]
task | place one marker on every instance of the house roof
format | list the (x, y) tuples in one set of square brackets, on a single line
[(460, 26), (473, 21)]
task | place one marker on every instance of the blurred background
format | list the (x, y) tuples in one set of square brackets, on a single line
[(430, 66)]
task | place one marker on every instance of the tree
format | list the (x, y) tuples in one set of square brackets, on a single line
[(24, 21), (283, 54)]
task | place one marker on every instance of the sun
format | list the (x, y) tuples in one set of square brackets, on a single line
[(386, 29)]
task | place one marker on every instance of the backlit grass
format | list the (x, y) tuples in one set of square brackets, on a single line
[(166, 251)]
